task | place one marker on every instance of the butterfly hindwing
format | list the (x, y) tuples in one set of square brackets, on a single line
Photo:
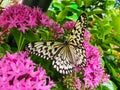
[(81, 54), (63, 60)]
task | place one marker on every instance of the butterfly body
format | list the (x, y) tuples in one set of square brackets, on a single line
[(65, 55)]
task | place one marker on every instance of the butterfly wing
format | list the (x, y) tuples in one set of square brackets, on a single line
[(62, 60), (45, 50), (55, 51), (76, 39), (77, 33)]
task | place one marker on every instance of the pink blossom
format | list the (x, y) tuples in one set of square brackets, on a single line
[(17, 72), (93, 71), (23, 18), (57, 30), (105, 77), (77, 68), (69, 25), (78, 84), (16, 16), (44, 20), (87, 35)]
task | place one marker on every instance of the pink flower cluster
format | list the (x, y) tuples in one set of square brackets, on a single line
[(78, 83), (69, 25), (18, 72), (23, 18), (93, 72)]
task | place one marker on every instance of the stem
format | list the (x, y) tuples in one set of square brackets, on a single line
[(21, 41), (100, 87)]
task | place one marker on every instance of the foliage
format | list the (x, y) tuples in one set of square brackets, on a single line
[(103, 21)]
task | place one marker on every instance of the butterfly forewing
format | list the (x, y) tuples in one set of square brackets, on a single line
[(45, 50), (77, 33), (64, 55)]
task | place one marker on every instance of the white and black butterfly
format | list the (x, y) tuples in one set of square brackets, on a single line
[(64, 55)]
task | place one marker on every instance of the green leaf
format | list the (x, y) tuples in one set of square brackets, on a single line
[(78, 2), (111, 69), (72, 8), (58, 6), (116, 23), (110, 4), (16, 35), (105, 30), (30, 36), (62, 15), (115, 40), (109, 85), (51, 14), (5, 2), (66, 2), (88, 2), (19, 38), (96, 11), (102, 61), (4, 48), (73, 17), (45, 35)]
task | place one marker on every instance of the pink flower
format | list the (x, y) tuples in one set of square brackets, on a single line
[(69, 25), (78, 84), (77, 68), (105, 77), (23, 17), (87, 35), (57, 30), (93, 72), (44, 21), (17, 72), (16, 16)]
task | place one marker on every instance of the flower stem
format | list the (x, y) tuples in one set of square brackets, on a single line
[(21, 41)]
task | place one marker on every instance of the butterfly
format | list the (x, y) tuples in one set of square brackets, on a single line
[(65, 55)]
